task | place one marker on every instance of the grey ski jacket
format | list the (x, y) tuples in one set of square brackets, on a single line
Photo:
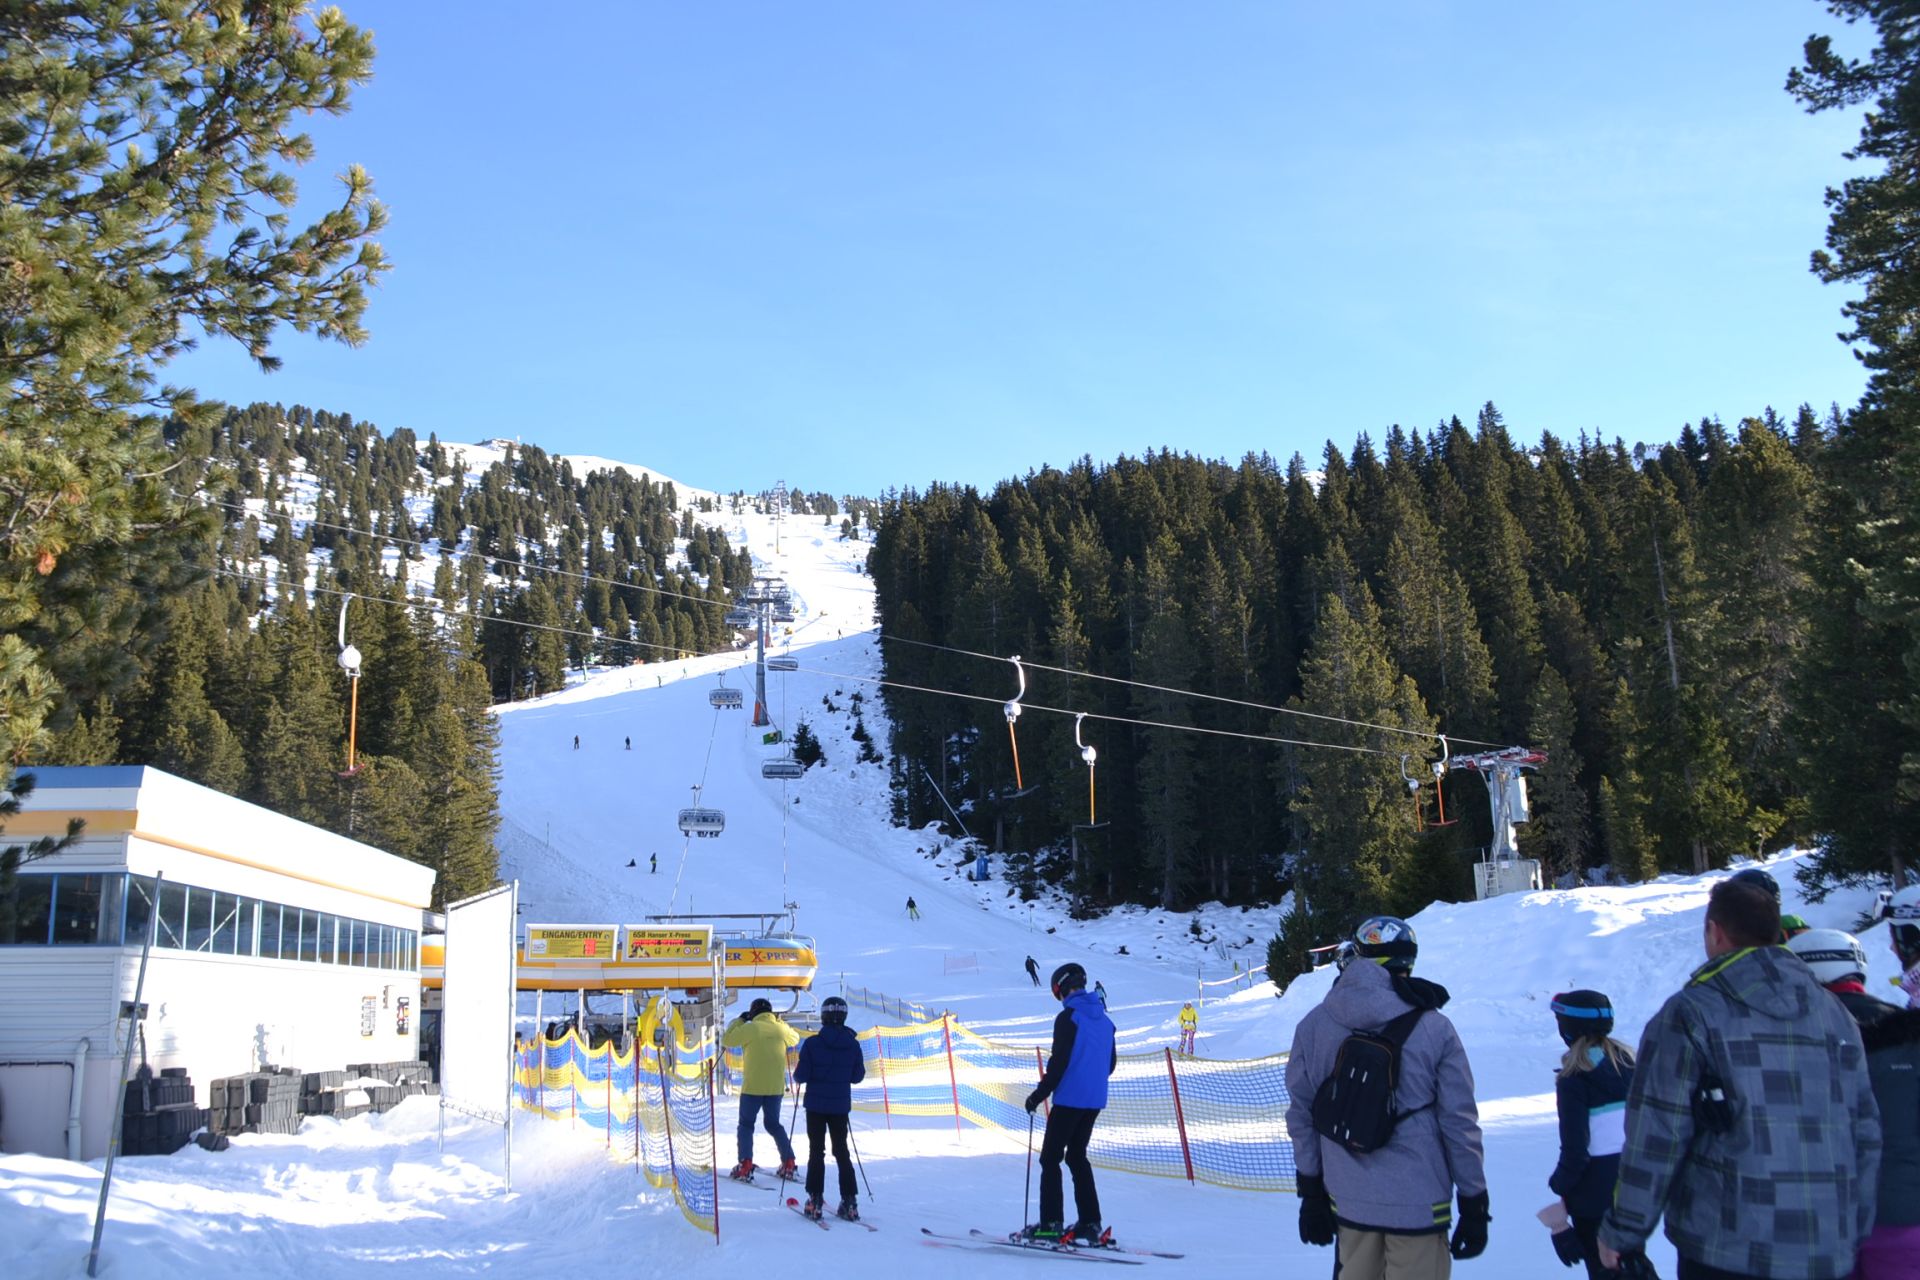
[(1406, 1187), (1783, 1185)]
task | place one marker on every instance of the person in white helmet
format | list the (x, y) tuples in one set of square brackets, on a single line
[(1891, 1036), (1903, 919)]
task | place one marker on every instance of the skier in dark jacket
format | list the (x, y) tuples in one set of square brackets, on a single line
[(1591, 1092), (830, 1065), (1076, 1079), (1891, 1035), (1033, 971)]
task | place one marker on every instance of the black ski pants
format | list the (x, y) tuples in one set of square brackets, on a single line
[(819, 1125), (1069, 1129)]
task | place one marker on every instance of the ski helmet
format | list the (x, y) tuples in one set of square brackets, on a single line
[(833, 1012), (1760, 880), (1832, 955), (1068, 978), (1792, 926), (1903, 915), (759, 1006), (1387, 941), (1582, 1013)]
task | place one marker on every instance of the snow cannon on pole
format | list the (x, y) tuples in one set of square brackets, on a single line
[(349, 660), (1504, 870)]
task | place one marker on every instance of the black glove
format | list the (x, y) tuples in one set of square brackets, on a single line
[(1470, 1236), (1317, 1225), (1566, 1247), (1034, 1100), (1634, 1266)]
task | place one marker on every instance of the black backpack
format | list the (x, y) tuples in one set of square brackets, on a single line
[(1354, 1104)]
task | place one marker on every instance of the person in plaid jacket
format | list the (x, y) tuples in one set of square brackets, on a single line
[(1751, 1124)]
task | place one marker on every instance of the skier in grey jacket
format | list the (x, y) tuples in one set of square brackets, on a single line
[(1751, 1125), (1392, 1206)]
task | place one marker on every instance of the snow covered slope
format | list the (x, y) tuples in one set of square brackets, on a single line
[(343, 1199)]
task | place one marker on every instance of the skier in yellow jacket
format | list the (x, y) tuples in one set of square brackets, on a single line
[(763, 1041), (1189, 1027)]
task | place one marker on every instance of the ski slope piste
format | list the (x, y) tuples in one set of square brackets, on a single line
[(342, 1198)]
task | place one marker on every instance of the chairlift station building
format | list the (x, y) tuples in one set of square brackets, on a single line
[(276, 944)]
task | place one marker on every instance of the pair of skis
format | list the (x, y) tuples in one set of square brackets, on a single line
[(978, 1239), (825, 1222)]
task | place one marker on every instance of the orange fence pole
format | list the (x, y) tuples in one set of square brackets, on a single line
[(946, 1031), (1179, 1116), (880, 1043), (609, 1095)]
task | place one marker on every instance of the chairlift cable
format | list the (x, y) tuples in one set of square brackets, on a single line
[(1184, 693), (882, 636)]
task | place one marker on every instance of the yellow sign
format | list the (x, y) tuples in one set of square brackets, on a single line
[(688, 943), (558, 942)]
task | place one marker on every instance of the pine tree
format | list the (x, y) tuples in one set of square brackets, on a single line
[(1558, 834), (117, 254)]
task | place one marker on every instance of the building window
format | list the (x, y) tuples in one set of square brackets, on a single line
[(226, 923), (77, 909), (137, 920), (26, 911), (171, 922), (270, 930)]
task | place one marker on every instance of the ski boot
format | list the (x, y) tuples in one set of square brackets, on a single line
[(814, 1208), (848, 1210), (1091, 1235), (788, 1170), (742, 1172), (1043, 1233)]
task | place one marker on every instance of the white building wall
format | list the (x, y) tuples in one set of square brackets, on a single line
[(216, 1015)]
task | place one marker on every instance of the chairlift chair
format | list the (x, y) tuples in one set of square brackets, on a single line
[(724, 698), (704, 823), (783, 664), (740, 617), (783, 767)]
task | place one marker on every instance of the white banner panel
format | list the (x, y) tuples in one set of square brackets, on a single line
[(477, 1004)]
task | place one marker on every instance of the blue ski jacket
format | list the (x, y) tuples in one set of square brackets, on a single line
[(830, 1065), (1593, 1128), (1083, 1054)]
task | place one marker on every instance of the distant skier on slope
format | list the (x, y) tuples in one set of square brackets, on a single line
[(1189, 1027), (653, 864), (830, 1065), (629, 744), (576, 742), (913, 912), (1033, 971), (1076, 1079)]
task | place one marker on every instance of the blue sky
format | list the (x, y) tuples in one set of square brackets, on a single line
[(861, 245)]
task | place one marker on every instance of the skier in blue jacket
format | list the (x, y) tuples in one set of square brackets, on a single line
[(1076, 1079), (830, 1065)]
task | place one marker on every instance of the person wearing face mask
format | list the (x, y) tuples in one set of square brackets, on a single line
[(1591, 1092)]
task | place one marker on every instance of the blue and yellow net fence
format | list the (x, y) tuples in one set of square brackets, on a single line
[(652, 1107), (1167, 1115)]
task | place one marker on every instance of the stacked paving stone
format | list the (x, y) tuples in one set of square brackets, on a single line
[(345, 1094), (257, 1102), (160, 1114)]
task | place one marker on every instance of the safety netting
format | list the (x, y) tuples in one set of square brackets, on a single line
[(1167, 1115), (652, 1107)]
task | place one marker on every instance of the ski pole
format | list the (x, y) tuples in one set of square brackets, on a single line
[(857, 1162), (1026, 1201)]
